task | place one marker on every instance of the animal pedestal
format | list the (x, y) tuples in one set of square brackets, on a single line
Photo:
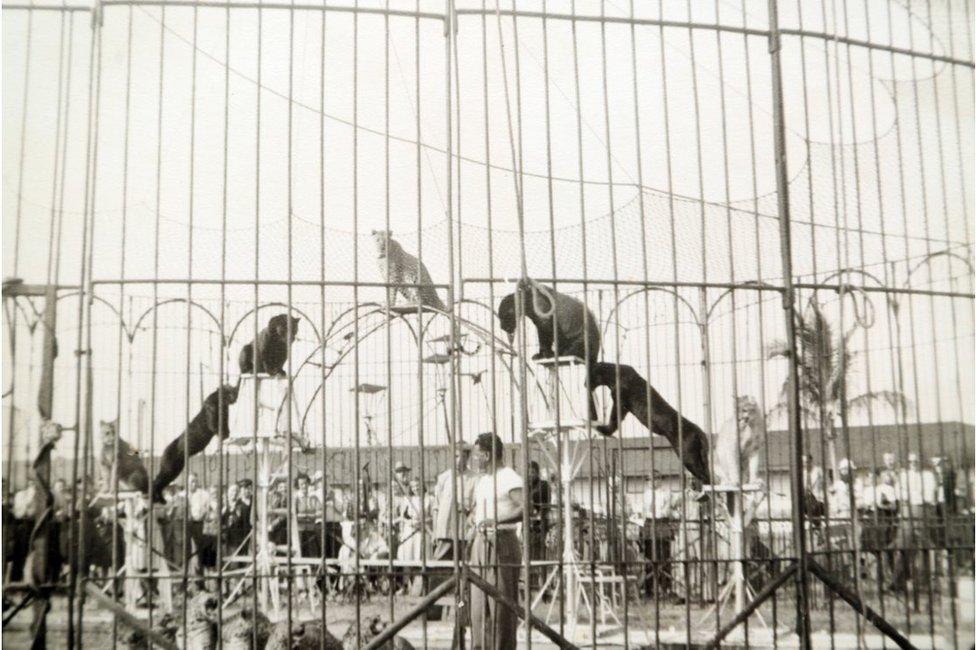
[(262, 408), (734, 513), (561, 418), (567, 401), (139, 547), (260, 422)]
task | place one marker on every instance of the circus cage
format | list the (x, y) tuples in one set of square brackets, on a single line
[(257, 262)]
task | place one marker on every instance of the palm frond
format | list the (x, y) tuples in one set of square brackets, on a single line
[(895, 400), (777, 348), (782, 409)]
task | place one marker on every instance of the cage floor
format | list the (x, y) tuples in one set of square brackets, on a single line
[(668, 620)]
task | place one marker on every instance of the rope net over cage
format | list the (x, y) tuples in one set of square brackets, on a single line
[(273, 271)]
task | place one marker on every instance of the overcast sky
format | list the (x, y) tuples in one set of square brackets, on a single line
[(880, 151)]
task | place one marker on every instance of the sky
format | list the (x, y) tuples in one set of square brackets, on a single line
[(267, 145)]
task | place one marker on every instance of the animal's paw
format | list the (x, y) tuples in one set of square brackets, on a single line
[(542, 354), (605, 429)]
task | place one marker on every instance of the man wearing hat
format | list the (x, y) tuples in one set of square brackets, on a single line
[(401, 491), (401, 479)]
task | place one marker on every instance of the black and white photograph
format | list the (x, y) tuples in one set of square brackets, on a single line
[(488, 324)]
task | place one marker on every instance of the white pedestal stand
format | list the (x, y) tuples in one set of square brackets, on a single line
[(262, 432), (736, 587), (138, 548), (565, 418)]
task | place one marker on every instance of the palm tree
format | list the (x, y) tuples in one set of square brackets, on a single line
[(824, 368)]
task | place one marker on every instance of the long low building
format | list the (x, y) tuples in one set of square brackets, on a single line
[(632, 459)]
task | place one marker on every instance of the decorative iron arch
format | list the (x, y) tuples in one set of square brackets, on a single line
[(501, 349), (254, 310), (728, 292), (636, 292), (192, 303)]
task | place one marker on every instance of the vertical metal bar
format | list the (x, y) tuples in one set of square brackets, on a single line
[(292, 518), (260, 521), (388, 314), (911, 312), (355, 297), (122, 259), (739, 574), (463, 586), (222, 370), (155, 288), (198, 536), (760, 274), (81, 428), (789, 300), (576, 562), (900, 374), (638, 150), (453, 430), (16, 251), (524, 439), (843, 352), (329, 528), (619, 477)]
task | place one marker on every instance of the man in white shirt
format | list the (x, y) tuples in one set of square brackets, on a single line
[(916, 504), (495, 552), (916, 490), (198, 502), (23, 524), (24, 501), (841, 491), (446, 505)]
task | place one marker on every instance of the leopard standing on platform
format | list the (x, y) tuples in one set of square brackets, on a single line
[(399, 269)]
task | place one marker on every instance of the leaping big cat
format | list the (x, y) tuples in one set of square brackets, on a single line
[(578, 332), (122, 461), (209, 422), (399, 268), (690, 443), (273, 344)]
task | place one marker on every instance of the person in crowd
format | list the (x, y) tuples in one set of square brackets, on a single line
[(881, 495), (228, 520), (890, 466), (278, 507), (24, 513), (198, 504), (59, 490), (365, 541), (332, 514), (401, 479), (657, 534), (946, 491), (842, 491), (242, 515), (171, 525), (211, 528), (945, 507), (307, 507), (813, 485), (446, 543), (916, 504), (540, 500), (8, 536), (917, 495), (495, 553), (411, 514)]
